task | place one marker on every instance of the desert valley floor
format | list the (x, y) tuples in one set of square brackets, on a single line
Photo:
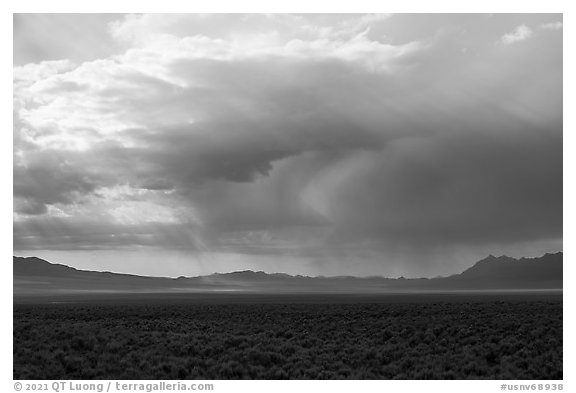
[(233, 336)]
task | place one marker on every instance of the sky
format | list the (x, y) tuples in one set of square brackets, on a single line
[(317, 144)]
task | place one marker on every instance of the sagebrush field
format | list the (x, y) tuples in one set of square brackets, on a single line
[(410, 337)]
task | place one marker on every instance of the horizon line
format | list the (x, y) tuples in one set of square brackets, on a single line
[(292, 275)]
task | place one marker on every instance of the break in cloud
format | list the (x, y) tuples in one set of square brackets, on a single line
[(314, 144)]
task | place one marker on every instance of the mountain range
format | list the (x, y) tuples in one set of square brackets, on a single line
[(35, 276)]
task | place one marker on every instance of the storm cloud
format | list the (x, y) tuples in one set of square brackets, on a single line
[(352, 142)]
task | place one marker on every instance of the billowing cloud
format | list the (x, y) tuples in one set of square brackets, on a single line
[(321, 137), (520, 33)]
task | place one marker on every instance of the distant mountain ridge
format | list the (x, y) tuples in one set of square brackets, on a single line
[(35, 276), (33, 266), (549, 266)]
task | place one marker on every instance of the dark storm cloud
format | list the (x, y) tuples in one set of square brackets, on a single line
[(48, 179), (458, 189), (277, 201), (443, 134)]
